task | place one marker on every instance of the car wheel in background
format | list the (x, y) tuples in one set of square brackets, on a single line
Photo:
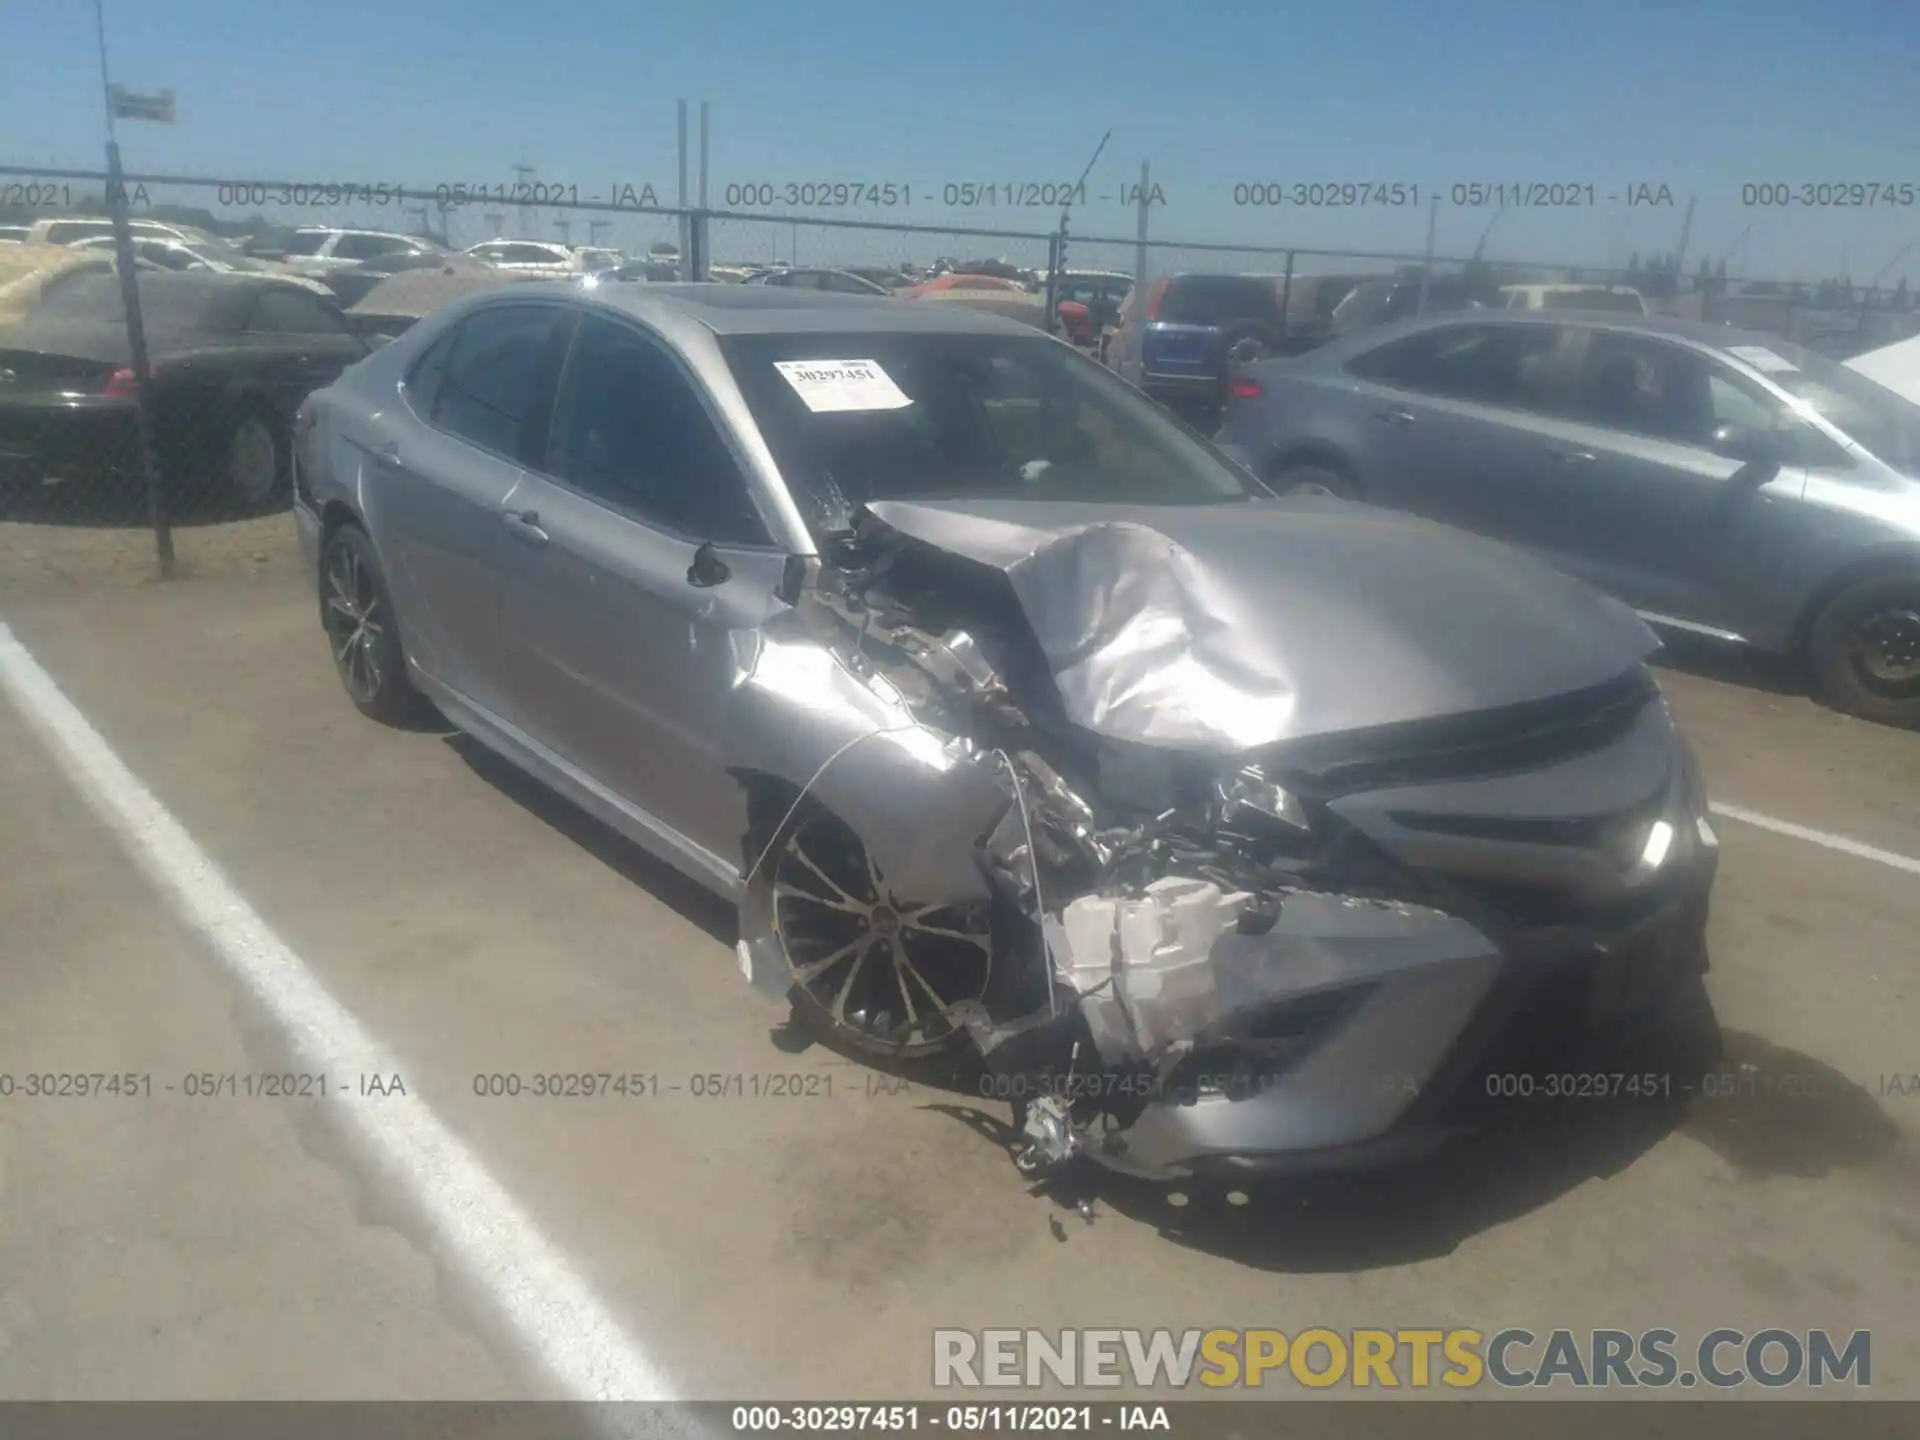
[(1313, 480), (1864, 650), (362, 631), (254, 463), (871, 969)]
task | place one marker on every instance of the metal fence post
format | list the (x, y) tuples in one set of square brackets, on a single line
[(1426, 266), (1056, 247), (137, 354), (1140, 229), (1286, 301)]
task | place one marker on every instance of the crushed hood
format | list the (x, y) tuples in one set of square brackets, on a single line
[(1230, 627)]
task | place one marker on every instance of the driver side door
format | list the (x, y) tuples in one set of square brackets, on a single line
[(638, 550)]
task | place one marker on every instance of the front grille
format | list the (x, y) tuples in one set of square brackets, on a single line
[(1467, 747)]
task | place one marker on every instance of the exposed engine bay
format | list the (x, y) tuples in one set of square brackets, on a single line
[(1182, 910)]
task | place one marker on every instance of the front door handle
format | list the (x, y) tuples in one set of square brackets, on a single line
[(1394, 417), (524, 526), (388, 454), (1575, 457)]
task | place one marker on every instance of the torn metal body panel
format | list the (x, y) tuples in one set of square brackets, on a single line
[(1228, 627)]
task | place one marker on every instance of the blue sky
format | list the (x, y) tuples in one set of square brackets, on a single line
[(1703, 98)]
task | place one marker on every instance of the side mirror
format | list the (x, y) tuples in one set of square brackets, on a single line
[(707, 569)]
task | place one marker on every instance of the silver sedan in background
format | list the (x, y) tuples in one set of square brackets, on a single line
[(1222, 831), (1729, 484)]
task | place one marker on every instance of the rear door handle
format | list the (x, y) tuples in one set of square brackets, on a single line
[(1394, 417), (524, 526)]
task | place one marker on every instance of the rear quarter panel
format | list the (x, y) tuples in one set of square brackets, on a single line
[(1305, 413)]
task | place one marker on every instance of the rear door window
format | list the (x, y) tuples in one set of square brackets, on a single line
[(1218, 300), (1514, 366), (498, 376)]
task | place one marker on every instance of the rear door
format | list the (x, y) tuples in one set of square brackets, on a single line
[(438, 474), (616, 619), (1452, 422)]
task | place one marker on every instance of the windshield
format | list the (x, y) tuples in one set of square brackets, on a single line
[(984, 416), (1873, 417)]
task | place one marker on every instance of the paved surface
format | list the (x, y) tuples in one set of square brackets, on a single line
[(167, 1246)]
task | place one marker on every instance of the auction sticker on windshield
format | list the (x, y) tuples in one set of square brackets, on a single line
[(830, 385), (1761, 358)]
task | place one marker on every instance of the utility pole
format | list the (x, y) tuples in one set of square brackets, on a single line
[(685, 226), (122, 102), (1686, 231), (697, 261), (522, 176), (564, 225)]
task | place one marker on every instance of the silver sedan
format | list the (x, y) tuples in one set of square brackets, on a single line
[(1729, 484), (1219, 831)]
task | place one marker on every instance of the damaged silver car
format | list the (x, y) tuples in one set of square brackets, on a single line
[(1228, 831)]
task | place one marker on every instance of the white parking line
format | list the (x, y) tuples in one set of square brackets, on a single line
[(479, 1230), (1818, 837)]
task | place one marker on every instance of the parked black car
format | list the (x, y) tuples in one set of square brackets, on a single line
[(353, 283), (232, 355)]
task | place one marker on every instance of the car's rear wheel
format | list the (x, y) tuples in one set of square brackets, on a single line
[(362, 631), (1864, 650), (873, 969), (1314, 479), (254, 464)]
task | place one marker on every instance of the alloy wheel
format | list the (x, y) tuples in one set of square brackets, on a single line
[(884, 970), (355, 623)]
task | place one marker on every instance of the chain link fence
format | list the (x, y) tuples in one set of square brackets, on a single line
[(252, 293)]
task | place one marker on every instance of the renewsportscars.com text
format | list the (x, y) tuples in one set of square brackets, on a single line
[(1412, 1359)]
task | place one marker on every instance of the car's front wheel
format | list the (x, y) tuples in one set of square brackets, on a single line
[(1864, 650), (362, 631), (872, 968)]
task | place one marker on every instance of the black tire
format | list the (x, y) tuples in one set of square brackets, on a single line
[(363, 632), (1864, 650), (861, 1010), (255, 462), (1313, 478)]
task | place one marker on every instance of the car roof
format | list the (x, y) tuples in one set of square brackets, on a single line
[(780, 310), (353, 230), (1698, 332)]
